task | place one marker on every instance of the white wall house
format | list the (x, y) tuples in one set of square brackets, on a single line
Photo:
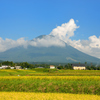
[(52, 67), (18, 67), (12, 67), (79, 66), (5, 66)]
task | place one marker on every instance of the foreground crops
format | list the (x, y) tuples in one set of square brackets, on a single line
[(45, 96), (54, 81), (53, 84)]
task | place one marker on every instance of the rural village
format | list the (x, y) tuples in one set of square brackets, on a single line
[(25, 65)]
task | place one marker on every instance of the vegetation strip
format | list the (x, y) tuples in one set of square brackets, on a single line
[(45, 96), (89, 78), (48, 72), (53, 84), (50, 82)]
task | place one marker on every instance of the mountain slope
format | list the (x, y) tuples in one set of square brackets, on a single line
[(47, 54)]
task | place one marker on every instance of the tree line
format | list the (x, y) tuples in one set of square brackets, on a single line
[(30, 66)]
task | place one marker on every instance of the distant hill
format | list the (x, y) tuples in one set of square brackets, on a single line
[(1, 61), (65, 54)]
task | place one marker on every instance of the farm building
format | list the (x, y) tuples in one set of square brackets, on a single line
[(52, 67), (12, 67), (18, 67), (4, 66), (79, 66)]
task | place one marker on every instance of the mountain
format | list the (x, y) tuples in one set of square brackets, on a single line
[(46, 54)]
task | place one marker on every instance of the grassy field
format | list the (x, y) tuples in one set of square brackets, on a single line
[(50, 82)]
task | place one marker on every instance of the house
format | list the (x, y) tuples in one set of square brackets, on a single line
[(4, 66), (79, 66), (18, 67), (52, 67), (12, 67)]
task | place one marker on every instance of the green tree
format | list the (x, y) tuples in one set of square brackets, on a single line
[(10, 63), (60, 67), (98, 68), (68, 66)]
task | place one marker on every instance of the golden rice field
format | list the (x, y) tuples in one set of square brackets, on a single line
[(45, 96), (54, 85), (48, 72), (95, 78)]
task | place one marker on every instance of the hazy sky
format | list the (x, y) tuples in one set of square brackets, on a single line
[(77, 22)]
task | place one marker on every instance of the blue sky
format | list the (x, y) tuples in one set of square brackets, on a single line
[(31, 18)]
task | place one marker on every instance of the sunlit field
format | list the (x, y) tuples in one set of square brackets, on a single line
[(48, 72), (70, 78), (44, 84), (45, 96)]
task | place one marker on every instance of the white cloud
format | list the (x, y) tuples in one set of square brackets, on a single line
[(91, 46), (94, 41), (65, 31), (47, 41), (56, 38), (9, 43)]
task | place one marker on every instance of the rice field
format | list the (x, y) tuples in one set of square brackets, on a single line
[(82, 78), (48, 72), (38, 84), (45, 96)]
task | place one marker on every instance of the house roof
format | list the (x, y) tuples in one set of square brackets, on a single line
[(78, 64), (52, 66)]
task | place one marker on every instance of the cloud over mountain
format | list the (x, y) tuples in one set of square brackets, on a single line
[(65, 31), (56, 38), (46, 41), (9, 43), (90, 46)]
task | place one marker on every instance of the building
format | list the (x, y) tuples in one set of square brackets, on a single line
[(4, 66), (52, 67), (79, 66), (12, 67), (18, 67)]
